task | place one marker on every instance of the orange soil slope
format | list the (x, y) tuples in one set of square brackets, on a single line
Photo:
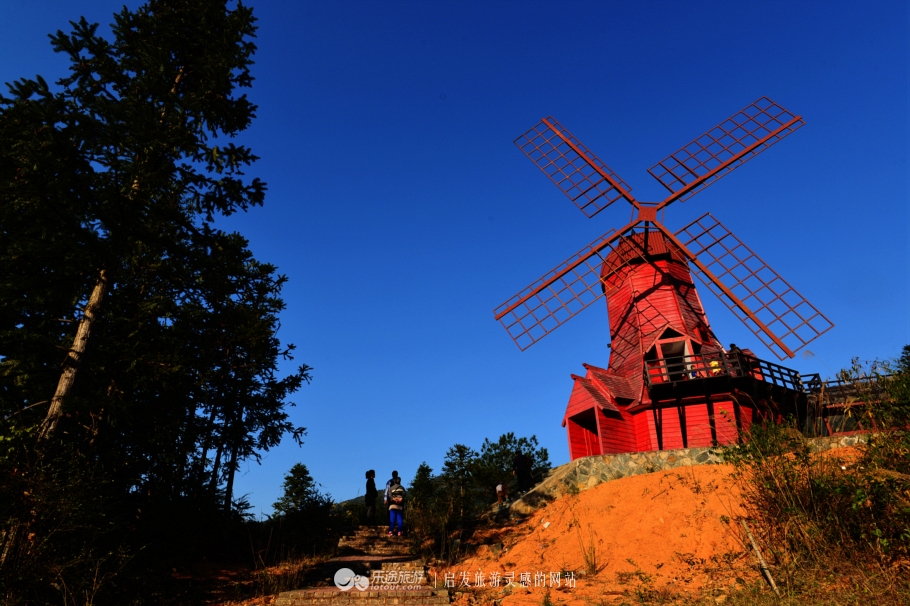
[(671, 532)]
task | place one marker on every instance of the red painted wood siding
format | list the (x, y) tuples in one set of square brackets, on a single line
[(670, 427), (643, 299), (725, 422), (584, 439), (618, 433), (645, 432), (579, 400), (698, 426), (580, 442), (746, 417)]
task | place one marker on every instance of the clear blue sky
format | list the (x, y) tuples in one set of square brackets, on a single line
[(403, 214)]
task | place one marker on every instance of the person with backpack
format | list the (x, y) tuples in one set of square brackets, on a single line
[(396, 506), (388, 487)]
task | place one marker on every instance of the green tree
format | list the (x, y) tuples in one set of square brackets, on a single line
[(903, 362), (429, 511), (299, 490), (306, 520), (494, 463), (894, 409), (422, 488), (124, 154), (138, 347), (458, 475)]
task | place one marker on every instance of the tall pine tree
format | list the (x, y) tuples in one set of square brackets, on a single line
[(138, 348), (124, 154)]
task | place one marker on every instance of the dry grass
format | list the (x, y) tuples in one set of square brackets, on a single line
[(588, 549), (262, 586)]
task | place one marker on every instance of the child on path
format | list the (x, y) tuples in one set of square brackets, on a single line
[(396, 506), (502, 493)]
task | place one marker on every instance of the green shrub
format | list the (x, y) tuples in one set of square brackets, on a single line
[(818, 510)]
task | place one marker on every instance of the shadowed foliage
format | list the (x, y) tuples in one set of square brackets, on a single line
[(138, 343)]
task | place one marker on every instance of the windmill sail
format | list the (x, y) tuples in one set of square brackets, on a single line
[(725, 147), (578, 173), (557, 296), (785, 312)]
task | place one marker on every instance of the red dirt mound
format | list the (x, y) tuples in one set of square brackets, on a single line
[(666, 533)]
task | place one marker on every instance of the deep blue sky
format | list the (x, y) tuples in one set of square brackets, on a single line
[(403, 214)]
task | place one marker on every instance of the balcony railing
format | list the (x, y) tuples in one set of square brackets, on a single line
[(718, 365), (847, 391)]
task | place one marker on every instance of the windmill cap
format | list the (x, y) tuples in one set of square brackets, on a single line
[(631, 250)]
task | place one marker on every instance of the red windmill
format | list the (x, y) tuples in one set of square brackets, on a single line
[(669, 383)]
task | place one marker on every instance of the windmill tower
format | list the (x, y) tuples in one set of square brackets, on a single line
[(669, 382)]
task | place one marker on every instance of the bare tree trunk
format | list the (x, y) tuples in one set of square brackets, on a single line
[(74, 358), (199, 471), (230, 481), (184, 448), (9, 541), (214, 484)]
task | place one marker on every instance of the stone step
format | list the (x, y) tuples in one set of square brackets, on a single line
[(382, 539), (384, 546), (385, 539), (377, 542), (367, 529), (331, 596), (375, 548), (369, 538), (409, 565), (375, 555), (371, 552), (364, 563), (371, 529), (397, 578), (378, 553), (367, 534)]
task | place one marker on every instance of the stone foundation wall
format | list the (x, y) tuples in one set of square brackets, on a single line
[(587, 472)]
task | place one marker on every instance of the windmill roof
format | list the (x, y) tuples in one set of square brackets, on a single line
[(620, 387), (596, 392)]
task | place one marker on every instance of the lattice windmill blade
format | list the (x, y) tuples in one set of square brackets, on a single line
[(581, 175), (776, 304), (725, 147), (559, 294)]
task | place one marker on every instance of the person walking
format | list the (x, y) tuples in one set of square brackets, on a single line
[(502, 493), (388, 487), (396, 507), (369, 498), (521, 468)]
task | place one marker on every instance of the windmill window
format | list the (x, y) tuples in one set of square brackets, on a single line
[(673, 352)]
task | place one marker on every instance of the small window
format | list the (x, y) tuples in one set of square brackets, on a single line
[(676, 349), (670, 334)]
